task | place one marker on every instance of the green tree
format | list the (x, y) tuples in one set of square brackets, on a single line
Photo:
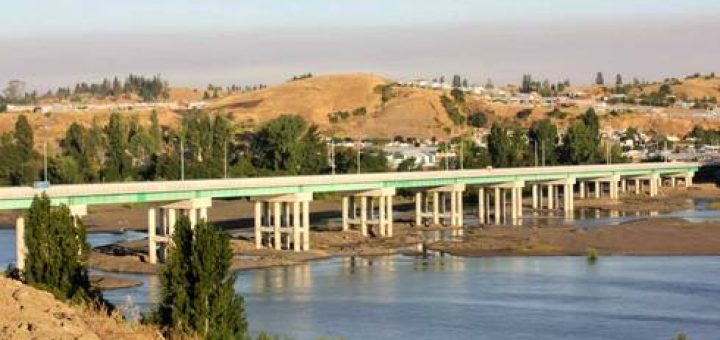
[(197, 294), (118, 164), (57, 251), (407, 165), (599, 79), (499, 146), (579, 146), (24, 137), (477, 119), (288, 145), (544, 137)]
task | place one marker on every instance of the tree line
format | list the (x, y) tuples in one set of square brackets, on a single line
[(206, 146)]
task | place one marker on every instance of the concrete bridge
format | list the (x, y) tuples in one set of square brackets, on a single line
[(282, 203)]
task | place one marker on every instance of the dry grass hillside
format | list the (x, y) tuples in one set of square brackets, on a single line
[(409, 112), (29, 313), (694, 88)]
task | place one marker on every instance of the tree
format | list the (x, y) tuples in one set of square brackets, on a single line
[(456, 81), (477, 119), (409, 164), (458, 95), (118, 165), (57, 251), (526, 86), (579, 146), (499, 146), (24, 137), (198, 294), (288, 145), (618, 79), (544, 137), (599, 79), (14, 91)]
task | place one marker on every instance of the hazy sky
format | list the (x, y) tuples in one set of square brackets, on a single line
[(191, 42)]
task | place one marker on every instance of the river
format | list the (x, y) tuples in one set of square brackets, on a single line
[(400, 297)]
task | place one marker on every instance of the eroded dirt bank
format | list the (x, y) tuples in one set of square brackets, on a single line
[(29, 313)]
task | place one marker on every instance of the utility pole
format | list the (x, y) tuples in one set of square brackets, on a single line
[(45, 155), (462, 155), (182, 159), (45, 162), (358, 159), (536, 153), (607, 152), (542, 146), (225, 161)]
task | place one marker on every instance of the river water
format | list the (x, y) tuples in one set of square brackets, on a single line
[(400, 297)]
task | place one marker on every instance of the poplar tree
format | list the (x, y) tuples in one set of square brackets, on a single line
[(197, 295), (57, 251)]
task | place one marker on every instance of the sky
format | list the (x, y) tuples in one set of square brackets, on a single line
[(50, 43)]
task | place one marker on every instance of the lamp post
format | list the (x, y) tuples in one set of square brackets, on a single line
[(182, 159)]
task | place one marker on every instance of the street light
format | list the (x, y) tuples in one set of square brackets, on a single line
[(182, 159)]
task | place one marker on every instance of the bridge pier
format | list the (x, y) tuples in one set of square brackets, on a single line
[(653, 183), (165, 218), (364, 215), (614, 185), (283, 222), (553, 190), (445, 207), (505, 200)]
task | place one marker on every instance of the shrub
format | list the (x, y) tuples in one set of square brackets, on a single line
[(592, 255)]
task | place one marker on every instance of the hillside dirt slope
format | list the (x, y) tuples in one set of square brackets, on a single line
[(29, 313)]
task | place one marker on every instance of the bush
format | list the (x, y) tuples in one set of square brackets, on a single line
[(523, 114), (592, 255), (557, 114)]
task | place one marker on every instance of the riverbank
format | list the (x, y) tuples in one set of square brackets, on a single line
[(29, 313), (668, 200)]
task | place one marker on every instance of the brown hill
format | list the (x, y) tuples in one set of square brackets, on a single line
[(409, 111)]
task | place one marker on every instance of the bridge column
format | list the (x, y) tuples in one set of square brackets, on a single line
[(345, 213), (283, 222), (582, 189), (497, 197), (535, 196), (481, 205), (550, 197), (20, 247), (383, 218), (166, 216), (689, 179), (152, 231), (514, 205), (654, 185)]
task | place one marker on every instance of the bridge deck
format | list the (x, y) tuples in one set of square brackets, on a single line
[(137, 192)]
